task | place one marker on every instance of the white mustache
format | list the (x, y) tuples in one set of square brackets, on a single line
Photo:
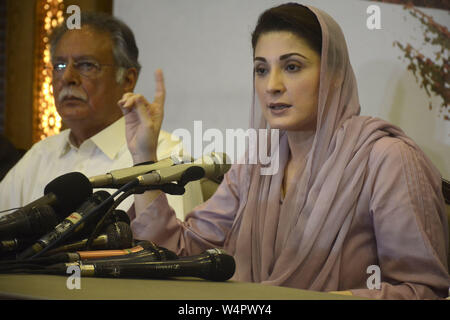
[(72, 92)]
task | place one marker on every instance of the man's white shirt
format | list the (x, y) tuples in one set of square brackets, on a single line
[(105, 151)]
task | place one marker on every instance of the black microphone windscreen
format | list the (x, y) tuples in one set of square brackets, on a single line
[(119, 235), (193, 174), (71, 189), (223, 268), (116, 216)]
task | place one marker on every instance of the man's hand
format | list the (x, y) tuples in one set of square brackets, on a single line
[(143, 121)]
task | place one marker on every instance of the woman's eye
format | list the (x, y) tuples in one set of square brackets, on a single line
[(292, 67), (260, 70)]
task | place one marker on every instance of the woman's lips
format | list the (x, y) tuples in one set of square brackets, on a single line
[(279, 108)]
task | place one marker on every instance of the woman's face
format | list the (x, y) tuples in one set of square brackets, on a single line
[(287, 73)]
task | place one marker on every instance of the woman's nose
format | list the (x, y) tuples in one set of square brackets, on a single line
[(275, 84)]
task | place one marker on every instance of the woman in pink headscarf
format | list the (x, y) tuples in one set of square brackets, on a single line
[(351, 192)]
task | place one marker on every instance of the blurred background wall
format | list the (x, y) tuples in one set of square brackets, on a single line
[(204, 48)]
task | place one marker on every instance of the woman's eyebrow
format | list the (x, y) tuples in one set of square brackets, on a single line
[(282, 57), (287, 55)]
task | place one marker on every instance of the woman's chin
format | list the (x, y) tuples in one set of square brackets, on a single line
[(288, 126), (281, 124)]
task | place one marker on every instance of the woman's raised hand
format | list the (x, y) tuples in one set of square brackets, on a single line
[(143, 121)]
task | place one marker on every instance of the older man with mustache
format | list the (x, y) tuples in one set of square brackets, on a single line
[(93, 67)]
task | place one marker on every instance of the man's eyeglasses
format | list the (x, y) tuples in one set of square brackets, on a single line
[(89, 69)]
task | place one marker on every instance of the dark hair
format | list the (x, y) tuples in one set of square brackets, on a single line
[(291, 17), (125, 50)]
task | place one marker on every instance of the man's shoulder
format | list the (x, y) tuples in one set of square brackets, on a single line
[(55, 140), (46, 146), (38, 155)]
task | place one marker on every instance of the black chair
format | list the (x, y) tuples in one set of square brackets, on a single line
[(9, 155), (446, 192)]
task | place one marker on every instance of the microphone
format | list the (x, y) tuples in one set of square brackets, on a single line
[(30, 223), (214, 165), (117, 235), (62, 230), (63, 195), (63, 257), (114, 216), (13, 245), (119, 177), (117, 216), (213, 264), (149, 252), (142, 251)]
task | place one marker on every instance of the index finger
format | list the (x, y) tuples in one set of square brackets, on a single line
[(160, 93)]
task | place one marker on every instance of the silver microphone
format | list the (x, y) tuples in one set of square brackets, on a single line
[(117, 178), (214, 165)]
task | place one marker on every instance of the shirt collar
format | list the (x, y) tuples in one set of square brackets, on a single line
[(110, 140), (65, 143)]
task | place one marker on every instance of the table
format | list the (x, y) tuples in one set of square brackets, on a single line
[(34, 286)]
